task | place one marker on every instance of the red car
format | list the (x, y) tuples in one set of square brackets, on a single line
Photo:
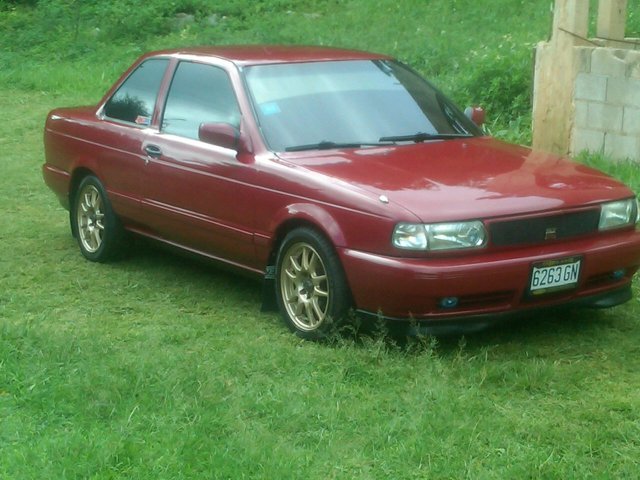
[(345, 181)]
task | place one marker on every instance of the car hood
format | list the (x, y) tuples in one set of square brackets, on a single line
[(464, 178)]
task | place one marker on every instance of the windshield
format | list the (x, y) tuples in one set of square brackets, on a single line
[(349, 103)]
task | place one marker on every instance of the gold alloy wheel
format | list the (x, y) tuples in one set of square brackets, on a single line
[(90, 218), (304, 286)]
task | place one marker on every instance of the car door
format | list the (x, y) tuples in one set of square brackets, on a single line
[(198, 195), (125, 120)]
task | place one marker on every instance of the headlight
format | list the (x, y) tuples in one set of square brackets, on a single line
[(618, 214), (637, 211), (410, 236), (440, 236)]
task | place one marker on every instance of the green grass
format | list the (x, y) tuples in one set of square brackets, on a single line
[(161, 368), (472, 53), (478, 52), (157, 367)]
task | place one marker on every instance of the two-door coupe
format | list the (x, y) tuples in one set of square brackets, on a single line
[(343, 179)]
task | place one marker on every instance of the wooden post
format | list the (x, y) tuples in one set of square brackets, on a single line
[(570, 16), (611, 19), (555, 74)]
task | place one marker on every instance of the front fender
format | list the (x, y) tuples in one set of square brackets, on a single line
[(285, 219), (308, 213)]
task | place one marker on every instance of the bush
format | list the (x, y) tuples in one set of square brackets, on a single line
[(499, 79)]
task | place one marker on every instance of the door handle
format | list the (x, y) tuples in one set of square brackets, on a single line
[(153, 151)]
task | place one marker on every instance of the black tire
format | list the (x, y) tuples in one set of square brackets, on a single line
[(93, 222), (311, 288)]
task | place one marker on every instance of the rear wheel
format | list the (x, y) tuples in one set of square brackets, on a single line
[(312, 291), (94, 223)]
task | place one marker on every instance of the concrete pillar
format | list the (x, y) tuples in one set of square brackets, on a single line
[(612, 16), (555, 73)]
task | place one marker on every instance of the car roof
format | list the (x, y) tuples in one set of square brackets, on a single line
[(266, 54)]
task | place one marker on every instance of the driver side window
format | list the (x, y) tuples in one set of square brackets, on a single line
[(199, 94)]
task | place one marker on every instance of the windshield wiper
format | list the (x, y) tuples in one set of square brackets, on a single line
[(328, 145), (423, 136)]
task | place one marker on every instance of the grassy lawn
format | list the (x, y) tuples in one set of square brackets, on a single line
[(157, 367)]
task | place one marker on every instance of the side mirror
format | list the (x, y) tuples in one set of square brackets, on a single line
[(221, 134), (475, 114)]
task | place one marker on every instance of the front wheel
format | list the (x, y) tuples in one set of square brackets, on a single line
[(312, 291), (94, 223)]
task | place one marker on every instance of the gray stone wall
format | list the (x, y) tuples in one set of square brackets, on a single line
[(607, 102)]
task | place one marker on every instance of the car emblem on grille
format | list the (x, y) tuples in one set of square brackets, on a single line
[(550, 233)]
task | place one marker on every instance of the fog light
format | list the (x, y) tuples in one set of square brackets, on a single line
[(618, 274), (449, 302)]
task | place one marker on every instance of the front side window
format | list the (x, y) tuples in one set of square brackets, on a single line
[(135, 100), (359, 102), (199, 94)]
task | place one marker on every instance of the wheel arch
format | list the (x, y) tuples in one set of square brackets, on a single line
[(76, 177), (288, 219), (303, 215)]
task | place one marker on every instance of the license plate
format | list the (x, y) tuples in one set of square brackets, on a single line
[(554, 275)]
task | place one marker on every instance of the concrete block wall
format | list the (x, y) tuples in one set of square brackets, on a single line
[(606, 101)]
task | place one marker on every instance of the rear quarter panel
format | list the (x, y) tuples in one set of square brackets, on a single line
[(76, 140)]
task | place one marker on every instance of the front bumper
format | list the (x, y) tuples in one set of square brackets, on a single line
[(475, 323), (489, 283)]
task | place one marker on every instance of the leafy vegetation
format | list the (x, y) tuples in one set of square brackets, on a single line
[(476, 53), (156, 367), (475, 56)]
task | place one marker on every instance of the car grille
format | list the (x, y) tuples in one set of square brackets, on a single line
[(542, 229)]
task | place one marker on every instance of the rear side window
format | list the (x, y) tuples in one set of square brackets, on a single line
[(199, 94), (135, 99)]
